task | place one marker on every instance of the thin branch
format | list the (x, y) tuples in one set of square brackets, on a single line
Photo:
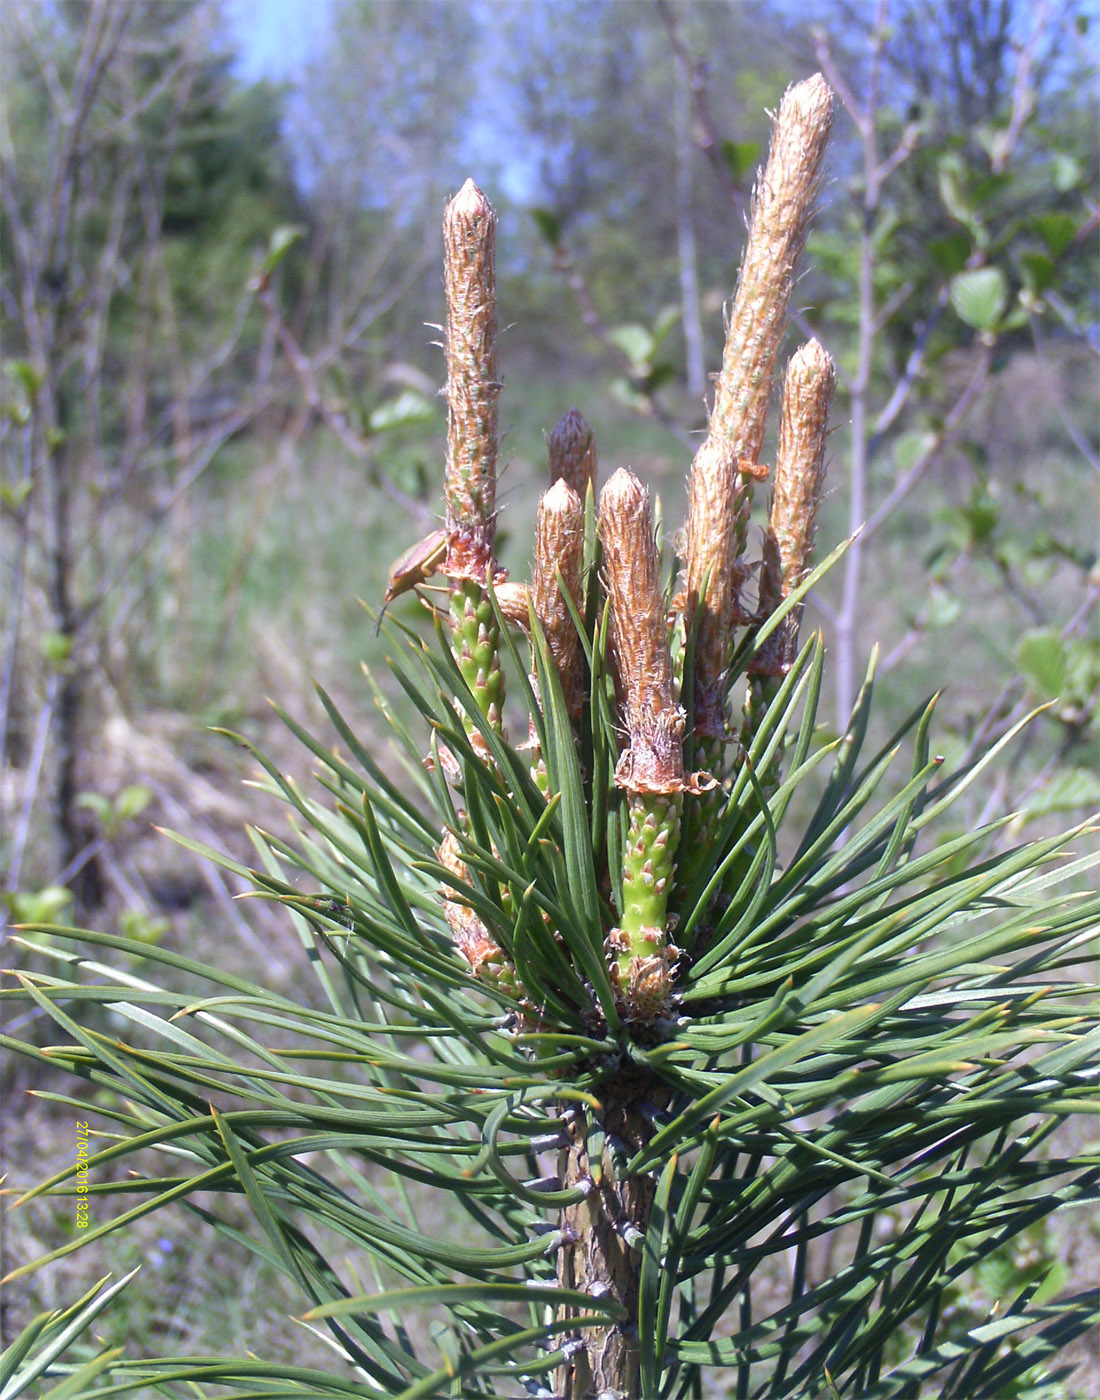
[(914, 366), (909, 478), (359, 447), (707, 139), (1023, 93), (1073, 432), (34, 777), (860, 115)]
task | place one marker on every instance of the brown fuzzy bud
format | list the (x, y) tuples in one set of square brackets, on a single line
[(653, 760), (782, 204), (469, 243), (559, 553), (715, 575), (472, 939), (512, 600), (572, 451), (719, 490), (799, 473)]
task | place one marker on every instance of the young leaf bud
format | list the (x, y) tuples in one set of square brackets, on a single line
[(469, 239), (799, 473), (719, 488), (473, 940), (469, 243), (651, 767), (653, 759), (572, 450), (559, 549)]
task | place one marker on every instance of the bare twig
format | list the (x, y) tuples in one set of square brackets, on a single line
[(359, 447)]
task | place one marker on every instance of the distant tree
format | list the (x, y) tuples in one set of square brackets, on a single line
[(957, 233), (970, 216), (600, 110), (377, 130), (139, 185)]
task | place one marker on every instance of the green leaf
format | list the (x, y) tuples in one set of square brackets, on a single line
[(740, 157), (942, 608), (44, 906), (25, 375), (910, 447), (407, 408), (280, 243), (12, 496), (635, 341), (662, 373), (1038, 272), (548, 225), (135, 924), (1041, 656), (627, 392), (950, 253), (1065, 172), (956, 187), (56, 647), (667, 318), (1075, 790), (980, 297), (981, 516), (1057, 230), (96, 803), (1083, 666), (132, 801)]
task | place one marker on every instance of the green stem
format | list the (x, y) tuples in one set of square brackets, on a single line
[(475, 637), (703, 811), (642, 959)]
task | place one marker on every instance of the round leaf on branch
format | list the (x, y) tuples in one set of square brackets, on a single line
[(980, 296), (405, 410), (1041, 656)]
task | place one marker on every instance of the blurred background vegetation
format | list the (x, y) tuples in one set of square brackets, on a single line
[(221, 415)]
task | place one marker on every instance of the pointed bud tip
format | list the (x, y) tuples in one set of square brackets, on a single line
[(469, 202), (623, 488), (571, 423), (561, 499), (812, 359), (813, 97)]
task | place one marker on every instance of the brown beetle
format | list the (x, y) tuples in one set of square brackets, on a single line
[(418, 563)]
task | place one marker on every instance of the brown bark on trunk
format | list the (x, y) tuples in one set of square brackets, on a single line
[(597, 1256)]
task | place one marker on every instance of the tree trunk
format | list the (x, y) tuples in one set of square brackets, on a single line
[(691, 315), (72, 831), (597, 1256)]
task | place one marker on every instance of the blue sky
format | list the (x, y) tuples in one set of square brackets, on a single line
[(275, 36), (274, 39)]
